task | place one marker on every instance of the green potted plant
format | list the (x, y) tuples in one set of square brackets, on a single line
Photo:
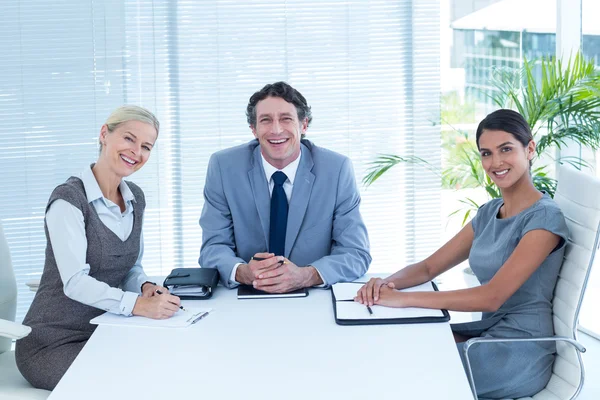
[(559, 101)]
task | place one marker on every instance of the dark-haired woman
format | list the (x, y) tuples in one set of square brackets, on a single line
[(515, 246)]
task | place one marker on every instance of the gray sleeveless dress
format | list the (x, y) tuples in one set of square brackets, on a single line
[(60, 326), (514, 369)]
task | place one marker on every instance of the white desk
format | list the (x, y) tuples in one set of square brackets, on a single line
[(268, 349)]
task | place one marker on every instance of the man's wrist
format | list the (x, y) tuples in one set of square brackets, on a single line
[(240, 276), (313, 277)]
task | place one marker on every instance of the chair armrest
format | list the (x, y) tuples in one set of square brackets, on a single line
[(33, 284), (476, 340), (482, 340), (13, 330)]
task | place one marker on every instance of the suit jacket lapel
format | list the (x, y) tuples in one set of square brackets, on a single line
[(303, 184), (260, 193)]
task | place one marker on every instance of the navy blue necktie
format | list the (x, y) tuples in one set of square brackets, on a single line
[(279, 215)]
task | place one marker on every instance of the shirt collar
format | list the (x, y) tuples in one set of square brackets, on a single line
[(93, 191), (289, 170)]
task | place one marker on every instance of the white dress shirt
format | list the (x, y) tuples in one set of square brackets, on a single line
[(66, 229), (290, 171)]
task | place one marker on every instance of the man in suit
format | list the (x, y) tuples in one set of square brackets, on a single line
[(281, 213)]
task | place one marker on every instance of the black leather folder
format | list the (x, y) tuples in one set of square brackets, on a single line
[(248, 292), (192, 283)]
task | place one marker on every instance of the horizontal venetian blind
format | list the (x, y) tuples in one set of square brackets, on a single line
[(53, 98), (370, 71)]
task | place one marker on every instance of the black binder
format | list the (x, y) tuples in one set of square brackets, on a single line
[(192, 283), (249, 292), (384, 321)]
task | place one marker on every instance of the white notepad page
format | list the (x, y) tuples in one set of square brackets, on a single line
[(353, 310), (181, 319)]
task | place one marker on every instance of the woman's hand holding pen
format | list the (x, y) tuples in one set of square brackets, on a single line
[(370, 293), (157, 306), (149, 290)]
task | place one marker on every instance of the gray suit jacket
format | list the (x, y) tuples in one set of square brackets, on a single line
[(325, 228)]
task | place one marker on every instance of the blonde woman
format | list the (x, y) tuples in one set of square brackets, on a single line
[(94, 249)]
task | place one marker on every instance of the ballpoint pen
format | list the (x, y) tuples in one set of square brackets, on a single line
[(159, 292), (369, 309), (199, 317)]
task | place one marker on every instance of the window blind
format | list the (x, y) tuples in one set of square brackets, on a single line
[(369, 69)]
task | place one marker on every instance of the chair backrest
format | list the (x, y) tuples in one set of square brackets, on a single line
[(578, 196), (8, 288)]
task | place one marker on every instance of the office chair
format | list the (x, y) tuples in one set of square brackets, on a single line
[(578, 196), (12, 385)]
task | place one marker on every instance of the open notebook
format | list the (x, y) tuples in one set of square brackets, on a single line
[(349, 312), (181, 319)]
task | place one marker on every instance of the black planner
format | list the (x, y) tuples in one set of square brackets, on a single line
[(249, 292), (348, 312), (192, 283)]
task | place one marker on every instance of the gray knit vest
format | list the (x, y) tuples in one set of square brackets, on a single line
[(54, 318)]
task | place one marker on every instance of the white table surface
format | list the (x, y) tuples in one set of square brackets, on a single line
[(268, 349)]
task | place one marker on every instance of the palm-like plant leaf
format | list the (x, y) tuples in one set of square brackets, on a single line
[(563, 101), (575, 162), (463, 166), (384, 162), (470, 206), (543, 182)]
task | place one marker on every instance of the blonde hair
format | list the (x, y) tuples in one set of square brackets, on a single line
[(130, 113)]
